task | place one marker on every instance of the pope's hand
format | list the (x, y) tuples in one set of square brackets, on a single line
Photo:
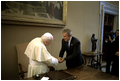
[(60, 60)]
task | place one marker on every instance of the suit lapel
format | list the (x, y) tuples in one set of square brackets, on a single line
[(71, 43)]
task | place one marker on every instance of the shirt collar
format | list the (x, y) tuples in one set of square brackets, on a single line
[(70, 39)]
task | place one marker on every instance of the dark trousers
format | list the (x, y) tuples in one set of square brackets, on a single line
[(108, 62), (115, 66)]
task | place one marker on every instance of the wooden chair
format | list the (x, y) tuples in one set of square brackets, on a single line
[(21, 73), (23, 60)]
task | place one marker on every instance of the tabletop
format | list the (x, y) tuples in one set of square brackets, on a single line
[(87, 73)]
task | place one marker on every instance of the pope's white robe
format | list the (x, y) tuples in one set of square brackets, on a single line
[(39, 57)]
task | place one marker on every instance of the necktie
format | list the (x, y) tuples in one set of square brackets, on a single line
[(68, 45)]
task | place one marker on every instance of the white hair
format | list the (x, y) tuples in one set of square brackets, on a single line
[(47, 37)]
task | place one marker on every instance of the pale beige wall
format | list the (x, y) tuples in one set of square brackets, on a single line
[(82, 19)]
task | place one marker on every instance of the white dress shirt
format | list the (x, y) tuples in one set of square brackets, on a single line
[(69, 41)]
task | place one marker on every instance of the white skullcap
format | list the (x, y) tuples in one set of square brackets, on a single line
[(47, 36)]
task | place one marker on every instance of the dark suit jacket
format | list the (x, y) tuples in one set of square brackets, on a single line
[(73, 57)]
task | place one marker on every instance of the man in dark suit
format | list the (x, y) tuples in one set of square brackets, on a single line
[(71, 45)]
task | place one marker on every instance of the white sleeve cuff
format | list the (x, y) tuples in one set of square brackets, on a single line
[(54, 61)]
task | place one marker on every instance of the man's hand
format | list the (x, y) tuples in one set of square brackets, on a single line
[(109, 38), (60, 60), (117, 53)]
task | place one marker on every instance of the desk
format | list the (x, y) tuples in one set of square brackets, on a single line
[(92, 56), (88, 73)]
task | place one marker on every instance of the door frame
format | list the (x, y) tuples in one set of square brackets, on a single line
[(109, 9)]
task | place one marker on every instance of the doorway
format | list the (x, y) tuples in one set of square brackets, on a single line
[(108, 27)]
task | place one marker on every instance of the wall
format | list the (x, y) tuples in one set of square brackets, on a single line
[(85, 22), (82, 19)]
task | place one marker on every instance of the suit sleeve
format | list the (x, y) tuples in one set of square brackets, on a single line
[(76, 51), (62, 49)]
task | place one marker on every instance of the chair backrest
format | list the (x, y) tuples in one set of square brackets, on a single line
[(22, 58)]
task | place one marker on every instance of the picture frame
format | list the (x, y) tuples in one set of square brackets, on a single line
[(34, 13)]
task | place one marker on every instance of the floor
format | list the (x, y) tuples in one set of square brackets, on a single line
[(103, 65)]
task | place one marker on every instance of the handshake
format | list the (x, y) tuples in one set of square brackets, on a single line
[(60, 60)]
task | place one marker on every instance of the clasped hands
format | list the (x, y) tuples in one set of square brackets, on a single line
[(60, 59)]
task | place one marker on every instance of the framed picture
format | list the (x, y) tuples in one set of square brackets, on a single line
[(37, 13)]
